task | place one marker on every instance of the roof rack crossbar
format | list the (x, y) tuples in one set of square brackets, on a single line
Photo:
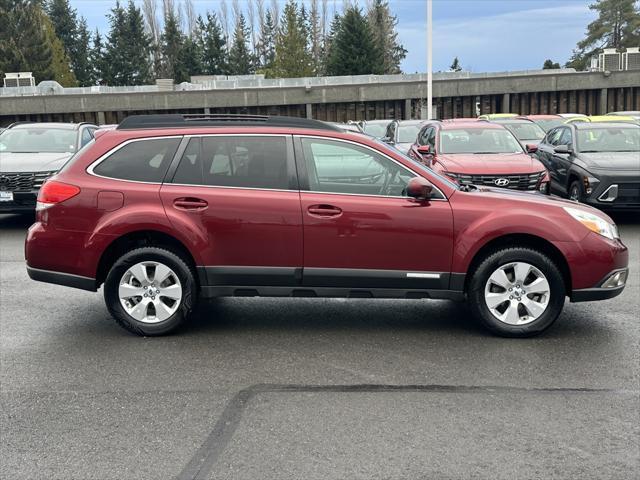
[(174, 120)]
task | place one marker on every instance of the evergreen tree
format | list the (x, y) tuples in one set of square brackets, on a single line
[(97, 60), (127, 54), (383, 27), (60, 70), (267, 47), (334, 28), (240, 60), (191, 57), (139, 51), (354, 51), (25, 42), (65, 22), (617, 26), (82, 68), (212, 46), (455, 65), (550, 64), (292, 54), (115, 62), (172, 48)]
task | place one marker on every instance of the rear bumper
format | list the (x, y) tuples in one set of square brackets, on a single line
[(59, 278)]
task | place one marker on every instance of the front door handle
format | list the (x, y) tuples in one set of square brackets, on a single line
[(324, 211), (189, 203)]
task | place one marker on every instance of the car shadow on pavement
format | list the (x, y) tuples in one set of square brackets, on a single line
[(17, 221), (444, 318)]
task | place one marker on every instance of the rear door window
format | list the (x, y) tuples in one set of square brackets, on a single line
[(235, 161), (141, 161)]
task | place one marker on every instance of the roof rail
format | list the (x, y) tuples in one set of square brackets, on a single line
[(174, 120)]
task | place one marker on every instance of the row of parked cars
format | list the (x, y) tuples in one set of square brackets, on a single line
[(165, 209), (591, 159)]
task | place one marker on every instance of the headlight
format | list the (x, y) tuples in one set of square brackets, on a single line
[(594, 222)]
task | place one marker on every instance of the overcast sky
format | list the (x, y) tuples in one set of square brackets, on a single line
[(486, 35)]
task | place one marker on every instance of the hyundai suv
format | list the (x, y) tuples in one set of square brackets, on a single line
[(165, 210), (32, 152), (479, 153), (595, 163)]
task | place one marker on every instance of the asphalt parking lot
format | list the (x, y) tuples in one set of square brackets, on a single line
[(313, 389)]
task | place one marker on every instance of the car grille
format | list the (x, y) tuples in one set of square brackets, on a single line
[(628, 193), (515, 182), (23, 182)]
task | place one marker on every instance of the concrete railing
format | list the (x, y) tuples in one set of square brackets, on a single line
[(258, 81)]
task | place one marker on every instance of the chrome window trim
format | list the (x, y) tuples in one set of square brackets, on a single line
[(413, 172), (102, 158)]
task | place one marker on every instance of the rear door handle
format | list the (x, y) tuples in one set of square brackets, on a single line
[(189, 203), (324, 211)]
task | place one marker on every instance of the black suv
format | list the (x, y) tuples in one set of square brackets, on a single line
[(594, 163), (32, 152)]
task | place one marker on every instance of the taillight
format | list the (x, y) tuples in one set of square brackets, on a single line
[(53, 192)]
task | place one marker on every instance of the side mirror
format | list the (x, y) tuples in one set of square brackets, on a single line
[(531, 148), (419, 188), (425, 150), (563, 149)]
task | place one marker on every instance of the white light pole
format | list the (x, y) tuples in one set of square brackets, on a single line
[(430, 59)]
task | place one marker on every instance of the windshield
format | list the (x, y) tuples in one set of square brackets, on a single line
[(35, 140), (547, 125), (478, 140), (526, 131), (609, 140), (408, 133), (375, 129)]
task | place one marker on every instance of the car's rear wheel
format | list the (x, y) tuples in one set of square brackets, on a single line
[(150, 291), (517, 292)]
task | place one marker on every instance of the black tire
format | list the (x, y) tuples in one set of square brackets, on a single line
[(496, 259), (575, 191), (172, 260)]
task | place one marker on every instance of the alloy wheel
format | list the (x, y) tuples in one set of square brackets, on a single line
[(517, 293), (150, 292)]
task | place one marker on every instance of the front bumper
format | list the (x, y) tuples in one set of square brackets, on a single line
[(600, 292), (22, 202), (615, 191)]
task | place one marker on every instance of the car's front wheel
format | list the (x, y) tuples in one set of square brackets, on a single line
[(575, 191), (517, 292), (150, 291)]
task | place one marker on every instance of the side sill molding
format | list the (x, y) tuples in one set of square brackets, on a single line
[(338, 292)]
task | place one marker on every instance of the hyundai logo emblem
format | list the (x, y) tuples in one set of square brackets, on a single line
[(501, 182)]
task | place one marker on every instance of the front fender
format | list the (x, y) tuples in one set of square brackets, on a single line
[(472, 232)]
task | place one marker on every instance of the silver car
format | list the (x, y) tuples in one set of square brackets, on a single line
[(32, 152)]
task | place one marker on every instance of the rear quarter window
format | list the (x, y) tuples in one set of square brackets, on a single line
[(141, 161)]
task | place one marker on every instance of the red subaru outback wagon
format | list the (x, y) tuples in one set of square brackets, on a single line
[(167, 209)]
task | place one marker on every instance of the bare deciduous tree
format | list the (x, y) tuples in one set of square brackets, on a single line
[(224, 19), (251, 14), (275, 11), (150, 11), (190, 13), (237, 11), (323, 18)]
